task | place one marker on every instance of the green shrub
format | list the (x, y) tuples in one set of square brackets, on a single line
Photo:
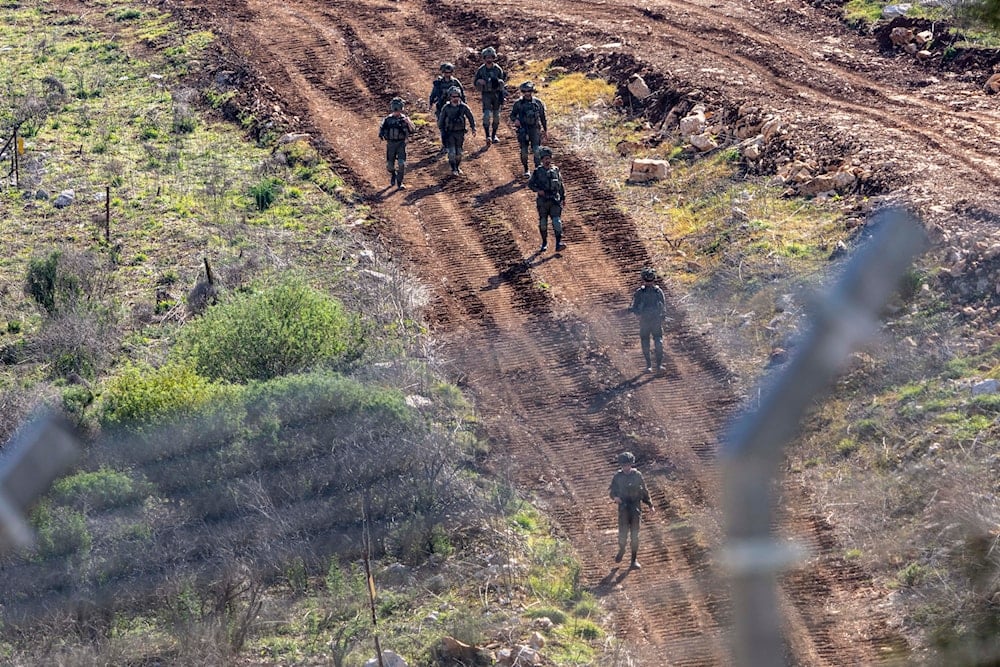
[(143, 394), (60, 531), (280, 330), (46, 285), (99, 490), (265, 192)]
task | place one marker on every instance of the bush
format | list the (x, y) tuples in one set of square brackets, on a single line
[(265, 192), (99, 490), (61, 531), (283, 329), (142, 394), (77, 340)]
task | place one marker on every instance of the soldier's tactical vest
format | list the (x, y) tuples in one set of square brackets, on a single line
[(552, 181), (395, 128), (529, 113), (491, 75), (454, 117)]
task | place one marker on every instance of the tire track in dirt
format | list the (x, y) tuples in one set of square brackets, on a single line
[(741, 47), (542, 341)]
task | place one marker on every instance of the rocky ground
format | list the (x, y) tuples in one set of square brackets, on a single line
[(542, 340)]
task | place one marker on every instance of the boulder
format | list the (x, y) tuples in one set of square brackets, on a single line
[(892, 11), (992, 85), (637, 86), (644, 170), (753, 148), (536, 641), (924, 37), (900, 36), (694, 122), (389, 659), (771, 128), (703, 142), (65, 198)]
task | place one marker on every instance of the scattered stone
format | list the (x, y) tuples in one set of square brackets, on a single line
[(65, 198), (644, 170), (291, 137), (985, 387), (892, 11), (703, 142), (992, 85), (637, 86), (389, 659), (901, 36), (693, 123), (417, 401), (536, 641)]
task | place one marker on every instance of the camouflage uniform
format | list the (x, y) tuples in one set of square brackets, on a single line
[(489, 80), (395, 129), (649, 304), (439, 91), (547, 182), (630, 489), (452, 121), (528, 114)]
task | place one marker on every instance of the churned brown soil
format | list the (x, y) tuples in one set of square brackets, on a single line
[(542, 341)]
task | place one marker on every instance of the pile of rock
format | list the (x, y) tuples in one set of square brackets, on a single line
[(916, 43)]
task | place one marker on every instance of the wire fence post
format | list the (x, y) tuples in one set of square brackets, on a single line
[(753, 446)]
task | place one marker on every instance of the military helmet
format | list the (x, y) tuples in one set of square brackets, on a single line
[(544, 151), (489, 52), (648, 274), (527, 87), (626, 458), (396, 104), (454, 90), (447, 67)]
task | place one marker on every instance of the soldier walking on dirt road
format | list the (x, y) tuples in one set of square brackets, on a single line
[(649, 305), (628, 489), (395, 129), (452, 121), (528, 116), (547, 182), (439, 94), (489, 80)]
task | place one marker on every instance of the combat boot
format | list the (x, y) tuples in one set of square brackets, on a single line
[(392, 179), (618, 556), (635, 564), (545, 242), (559, 244)]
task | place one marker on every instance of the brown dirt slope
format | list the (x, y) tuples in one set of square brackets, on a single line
[(542, 341)]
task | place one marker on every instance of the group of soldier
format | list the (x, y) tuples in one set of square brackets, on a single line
[(527, 115), (455, 118)]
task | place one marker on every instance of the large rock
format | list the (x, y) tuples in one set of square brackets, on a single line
[(450, 651), (900, 36), (644, 170), (637, 86), (389, 659), (992, 85), (703, 142), (65, 198), (694, 122)]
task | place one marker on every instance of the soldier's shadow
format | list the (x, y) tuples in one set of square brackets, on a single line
[(418, 194), (611, 579), (510, 187), (601, 400)]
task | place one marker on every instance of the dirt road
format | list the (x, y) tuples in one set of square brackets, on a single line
[(542, 340)]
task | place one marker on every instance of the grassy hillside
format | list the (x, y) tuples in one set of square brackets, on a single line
[(209, 312)]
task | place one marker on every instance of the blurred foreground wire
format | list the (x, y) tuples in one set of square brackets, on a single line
[(42, 450), (752, 448)]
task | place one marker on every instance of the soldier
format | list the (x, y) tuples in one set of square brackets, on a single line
[(395, 129), (451, 121), (489, 80), (649, 305), (547, 182), (439, 94), (528, 116), (628, 489)]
